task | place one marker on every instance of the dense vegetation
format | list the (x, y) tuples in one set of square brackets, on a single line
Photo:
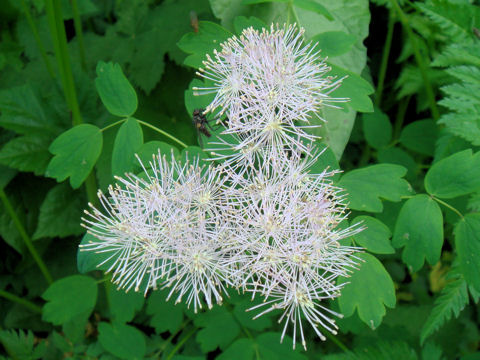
[(85, 85)]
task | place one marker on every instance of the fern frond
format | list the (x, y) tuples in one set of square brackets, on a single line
[(452, 300), (456, 20), (459, 54), (19, 345)]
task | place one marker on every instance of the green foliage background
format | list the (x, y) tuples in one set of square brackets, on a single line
[(85, 85)]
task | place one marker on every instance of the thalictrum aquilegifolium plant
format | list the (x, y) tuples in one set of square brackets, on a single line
[(330, 199)]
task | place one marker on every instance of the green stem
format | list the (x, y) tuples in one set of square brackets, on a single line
[(170, 338), (336, 341), (448, 206), (402, 110), (57, 29), (39, 42), (365, 158), (418, 57), (28, 304), (114, 124), (386, 53), (164, 133), (25, 237), (91, 189), (180, 343), (77, 21)]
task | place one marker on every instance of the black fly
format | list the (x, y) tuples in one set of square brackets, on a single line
[(200, 122)]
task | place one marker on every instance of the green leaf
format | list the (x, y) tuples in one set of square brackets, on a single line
[(117, 94), (69, 297), (419, 229), (311, 5), (265, 346), (219, 328), (351, 17), (21, 345), (420, 136), (241, 349), (456, 175), (128, 141), (452, 300), (6, 175), (60, 213), (23, 112), (208, 38), (151, 148), (326, 160), (455, 19), (377, 129), (192, 152), (246, 318), (166, 316), (354, 88), (270, 348), (366, 186), (467, 241), (8, 230), (369, 290), (448, 144), (26, 153), (395, 155), (76, 152), (86, 8), (376, 236), (89, 260), (336, 131), (242, 22), (123, 306), (334, 43), (123, 341), (432, 351)]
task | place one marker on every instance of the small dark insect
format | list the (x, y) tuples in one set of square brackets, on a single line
[(200, 122), (201, 125), (194, 21)]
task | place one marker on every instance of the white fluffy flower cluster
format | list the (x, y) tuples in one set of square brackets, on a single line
[(260, 221), (268, 84)]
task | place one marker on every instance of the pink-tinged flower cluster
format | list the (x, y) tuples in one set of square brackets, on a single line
[(259, 220), (268, 84), (162, 229)]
